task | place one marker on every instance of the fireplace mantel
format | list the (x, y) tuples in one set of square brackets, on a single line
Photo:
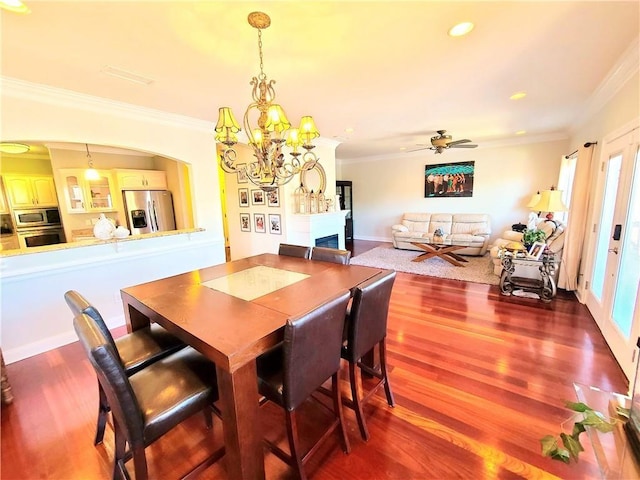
[(303, 229)]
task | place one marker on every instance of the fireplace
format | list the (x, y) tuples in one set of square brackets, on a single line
[(330, 241)]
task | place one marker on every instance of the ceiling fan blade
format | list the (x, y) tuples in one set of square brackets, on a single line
[(418, 149), (457, 142), (462, 146)]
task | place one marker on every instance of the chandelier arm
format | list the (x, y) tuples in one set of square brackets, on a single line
[(227, 160)]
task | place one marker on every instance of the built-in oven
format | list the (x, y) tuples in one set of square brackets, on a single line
[(37, 217), (38, 237)]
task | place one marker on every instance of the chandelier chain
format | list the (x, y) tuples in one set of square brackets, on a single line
[(262, 76)]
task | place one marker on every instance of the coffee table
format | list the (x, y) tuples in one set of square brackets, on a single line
[(443, 249)]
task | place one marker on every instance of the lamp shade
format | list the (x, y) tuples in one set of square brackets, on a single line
[(550, 201), (308, 129), (534, 200)]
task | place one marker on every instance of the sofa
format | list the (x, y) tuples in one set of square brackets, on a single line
[(474, 228), (554, 233)]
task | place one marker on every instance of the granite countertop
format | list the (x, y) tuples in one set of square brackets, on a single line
[(94, 241)]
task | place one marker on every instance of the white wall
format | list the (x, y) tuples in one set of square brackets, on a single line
[(505, 179), (35, 317)]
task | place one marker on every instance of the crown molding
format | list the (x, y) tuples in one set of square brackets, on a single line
[(622, 71), (13, 87)]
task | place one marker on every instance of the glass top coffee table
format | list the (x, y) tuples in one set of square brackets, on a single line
[(444, 249)]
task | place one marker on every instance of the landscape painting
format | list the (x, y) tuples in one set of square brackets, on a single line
[(449, 180)]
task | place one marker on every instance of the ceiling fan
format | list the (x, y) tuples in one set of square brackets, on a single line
[(441, 142)]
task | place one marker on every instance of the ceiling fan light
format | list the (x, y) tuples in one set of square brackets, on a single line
[(461, 29), (517, 96)]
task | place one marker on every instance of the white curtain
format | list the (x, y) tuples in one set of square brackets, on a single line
[(576, 225)]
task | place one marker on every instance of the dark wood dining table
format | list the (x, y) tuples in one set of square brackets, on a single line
[(215, 310)]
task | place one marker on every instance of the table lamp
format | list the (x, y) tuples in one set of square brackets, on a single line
[(550, 201)]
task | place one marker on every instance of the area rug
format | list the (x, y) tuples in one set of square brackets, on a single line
[(478, 270)]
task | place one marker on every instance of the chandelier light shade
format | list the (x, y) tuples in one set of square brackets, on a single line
[(550, 201), (268, 129)]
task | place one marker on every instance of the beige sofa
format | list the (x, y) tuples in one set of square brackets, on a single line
[(554, 232), (474, 228)]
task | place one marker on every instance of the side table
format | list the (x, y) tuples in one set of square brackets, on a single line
[(544, 287)]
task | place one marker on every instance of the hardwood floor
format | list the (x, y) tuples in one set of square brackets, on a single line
[(478, 379)]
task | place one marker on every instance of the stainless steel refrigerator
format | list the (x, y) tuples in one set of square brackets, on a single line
[(149, 211)]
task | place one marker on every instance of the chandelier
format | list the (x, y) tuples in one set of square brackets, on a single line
[(267, 129)]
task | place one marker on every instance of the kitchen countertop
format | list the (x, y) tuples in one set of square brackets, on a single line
[(94, 241)]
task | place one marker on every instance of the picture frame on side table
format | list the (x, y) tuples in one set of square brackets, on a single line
[(258, 223), (273, 198), (242, 173), (275, 226), (536, 250), (243, 197), (257, 197), (245, 222)]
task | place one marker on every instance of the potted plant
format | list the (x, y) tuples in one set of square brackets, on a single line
[(531, 236)]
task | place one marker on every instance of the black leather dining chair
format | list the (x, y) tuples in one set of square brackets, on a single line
[(291, 372), (366, 328), (149, 403), (299, 251), (135, 350), (333, 255)]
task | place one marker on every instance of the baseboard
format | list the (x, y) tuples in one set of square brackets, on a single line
[(375, 239)]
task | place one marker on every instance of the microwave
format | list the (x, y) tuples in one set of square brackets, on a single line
[(37, 217)]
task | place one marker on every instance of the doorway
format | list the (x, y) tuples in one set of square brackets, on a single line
[(612, 292)]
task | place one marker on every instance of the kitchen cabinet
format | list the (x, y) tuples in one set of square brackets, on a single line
[(83, 195), (25, 191), (141, 179), (4, 206)]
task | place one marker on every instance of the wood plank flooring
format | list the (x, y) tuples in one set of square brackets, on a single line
[(478, 379)]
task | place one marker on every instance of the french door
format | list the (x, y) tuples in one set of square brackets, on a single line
[(613, 289)]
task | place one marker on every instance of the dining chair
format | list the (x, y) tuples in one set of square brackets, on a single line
[(294, 250), (149, 403), (333, 255), (292, 371), (366, 327), (135, 350)]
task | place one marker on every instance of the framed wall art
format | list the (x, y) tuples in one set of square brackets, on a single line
[(274, 224), (245, 222), (243, 197), (257, 197), (449, 179), (258, 223), (242, 173), (273, 198)]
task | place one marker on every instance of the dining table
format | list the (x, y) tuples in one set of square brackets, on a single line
[(232, 313)]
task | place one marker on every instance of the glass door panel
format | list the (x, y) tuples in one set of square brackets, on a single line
[(626, 293)]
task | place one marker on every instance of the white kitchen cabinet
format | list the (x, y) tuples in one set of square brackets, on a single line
[(141, 179), (26, 191), (83, 195)]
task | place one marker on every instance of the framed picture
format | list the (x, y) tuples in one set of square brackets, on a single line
[(242, 173), (257, 197), (274, 224), (536, 250), (245, 222), (449, 180), (258, 222), (243, 197), (273, 198)]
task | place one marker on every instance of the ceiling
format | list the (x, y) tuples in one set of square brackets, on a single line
[(387, 70)]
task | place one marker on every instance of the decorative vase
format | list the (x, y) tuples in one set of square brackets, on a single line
[(103, 229)]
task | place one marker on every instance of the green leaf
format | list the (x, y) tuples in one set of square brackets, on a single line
[(596, 420), (577, 406), (572, 444), (562, 455), (549, 445), (578, 428)]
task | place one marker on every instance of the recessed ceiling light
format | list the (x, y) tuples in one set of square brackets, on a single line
[(348, 130), (521, 132), (15, 6), (518, 96), (460, 29), (7, 147), (403, 148)]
